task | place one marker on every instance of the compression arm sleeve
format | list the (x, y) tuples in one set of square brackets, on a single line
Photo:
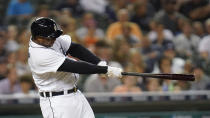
[(81, 67), (80, 52)]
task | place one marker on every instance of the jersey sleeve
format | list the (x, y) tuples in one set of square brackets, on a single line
[(46, 61), (65, 42)]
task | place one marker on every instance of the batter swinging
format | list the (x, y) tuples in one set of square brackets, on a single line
[(55, 74)]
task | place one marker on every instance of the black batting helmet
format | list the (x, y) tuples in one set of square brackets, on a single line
[(45, 27)]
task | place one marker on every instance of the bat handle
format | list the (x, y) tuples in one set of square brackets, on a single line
[(124, 73)]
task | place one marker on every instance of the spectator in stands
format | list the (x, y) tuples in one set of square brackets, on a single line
[(205, 42), (154, 29), (152, 85), (142, 16), (26, 83), (136, 64), (21, 62), (181, 86), (129, 84), (188, 66), (73, 6), (91, 37), (3, 68), (150, 8), (180, 23), (203, 58), (204, 51), (68, 25), (136, 60), (10, 84), (19, 12), (198, 29), (165, 66), (11, 59), (103, 49), (100, 83), (119, 4), (149, 53), (23, 37), (102, 10), (205, 64), (19, 8), (3, 51), (168, 16), (197, 10), (157, 4), (116, 29), (121, 51), (202, 80), (168, 85), (186, 43), (64, 12), (12, 44), (110, 13), (161, 42), (177, 62), (42, 11), (132, 39), (89, 33), (95, 6)]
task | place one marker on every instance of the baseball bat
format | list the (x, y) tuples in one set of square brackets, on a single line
[(183, 77)]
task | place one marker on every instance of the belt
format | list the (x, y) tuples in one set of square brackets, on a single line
[(51, 94)]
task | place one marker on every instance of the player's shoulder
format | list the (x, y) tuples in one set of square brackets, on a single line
[(64, 40), (64, 37)]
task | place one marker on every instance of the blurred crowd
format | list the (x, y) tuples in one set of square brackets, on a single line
[(145, 36)]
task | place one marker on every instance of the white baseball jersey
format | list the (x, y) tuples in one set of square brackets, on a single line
[(44, 63)]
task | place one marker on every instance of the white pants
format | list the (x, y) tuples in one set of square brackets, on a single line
[(73, 105)]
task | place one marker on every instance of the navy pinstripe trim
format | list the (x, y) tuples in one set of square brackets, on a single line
[(75, 76), (62, 49), (51, 107)]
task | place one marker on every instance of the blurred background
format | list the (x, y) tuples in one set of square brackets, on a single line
[(145, 36)]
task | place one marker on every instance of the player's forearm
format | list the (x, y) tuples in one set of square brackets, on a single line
[(81, 67), (80, 52)]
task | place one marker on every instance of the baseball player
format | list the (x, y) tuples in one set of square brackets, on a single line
[(56, 75)]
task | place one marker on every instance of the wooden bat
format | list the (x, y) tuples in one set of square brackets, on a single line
[(183, 77)]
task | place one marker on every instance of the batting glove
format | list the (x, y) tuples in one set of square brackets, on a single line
[(102, 63), (114, 72)]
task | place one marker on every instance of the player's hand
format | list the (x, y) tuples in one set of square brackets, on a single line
[(102, 63), (114, 72)]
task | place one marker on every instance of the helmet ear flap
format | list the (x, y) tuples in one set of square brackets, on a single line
[(45, 27)]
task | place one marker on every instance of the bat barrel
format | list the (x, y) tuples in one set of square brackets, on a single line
[(183, 77)]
